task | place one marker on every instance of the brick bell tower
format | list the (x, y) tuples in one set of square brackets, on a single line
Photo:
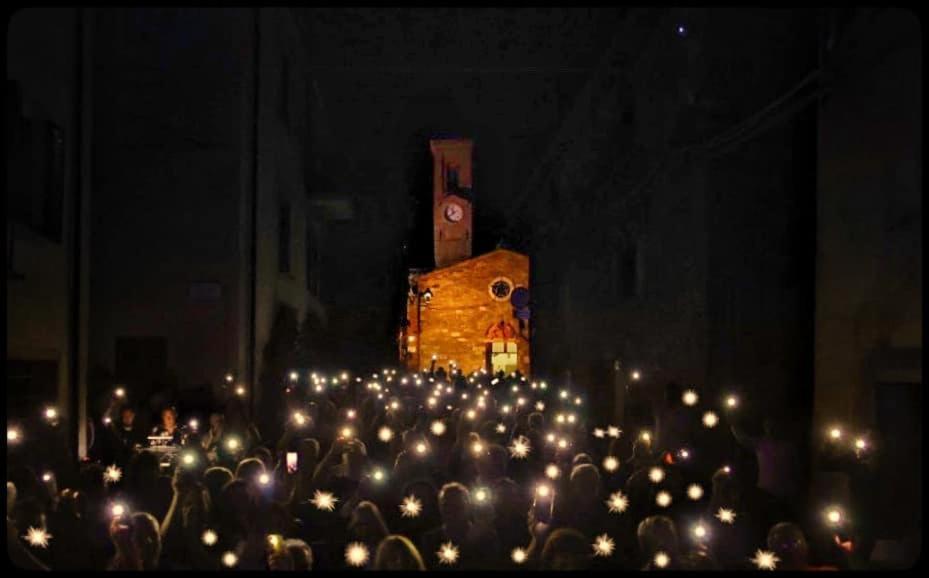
[(452, 206)]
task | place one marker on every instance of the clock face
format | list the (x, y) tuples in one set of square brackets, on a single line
[(454, 212)]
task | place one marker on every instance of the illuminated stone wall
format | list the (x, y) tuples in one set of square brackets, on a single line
[(453, 324)]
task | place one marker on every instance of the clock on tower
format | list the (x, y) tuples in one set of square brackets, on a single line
[(452, 200)]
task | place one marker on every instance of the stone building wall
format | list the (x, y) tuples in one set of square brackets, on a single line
[(454, 323)]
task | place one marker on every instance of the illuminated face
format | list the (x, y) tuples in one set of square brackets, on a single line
[(168, 419)]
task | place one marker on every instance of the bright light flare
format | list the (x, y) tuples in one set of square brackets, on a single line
[(694, 492), (610, 463), (437, 428), (656, 475), (230, 559), (661, 559), (699, 531), (618, 503), (209, 538), (765, 560), (710, 419), (356, 554), (520, 448), (324, 501), (37, 537), (448, 553), (552, 472), (112, 474), (519, 555), (690, 397), (725, 516), (411, 507), (385, 434), (663, 499), (604, 546)]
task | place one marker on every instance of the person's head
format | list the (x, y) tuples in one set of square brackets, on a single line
[(354, 458), (146, 538), (726, 490), (214, 479), (264, 455), (308, 454), (582, 458), (127, 415), (216, 421), (509, 501), (787, 541), (235, 506), (169, 418), (367, 524), (249, 469), (301, 553), (536, 421), (657, 533), (454, 504), (492, 465), (566, 549), (641, 448), (584, 485), (397, 552)]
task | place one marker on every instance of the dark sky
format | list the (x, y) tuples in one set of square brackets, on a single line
[(385, 81)]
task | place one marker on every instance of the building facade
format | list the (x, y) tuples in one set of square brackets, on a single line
[(48, 80), (470, 313)]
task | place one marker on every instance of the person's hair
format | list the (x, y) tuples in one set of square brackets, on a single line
[(169, 408), (565, 549), (146, 537), (368, 512), (214, 479), (788, 542), (301, 553), (264, 455), (535, 420), (586, 478), (582, 458), (249, 468), (657, 533), (397, 552), (453, 488)]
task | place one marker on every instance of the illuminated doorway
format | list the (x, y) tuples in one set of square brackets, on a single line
[(502, 351)]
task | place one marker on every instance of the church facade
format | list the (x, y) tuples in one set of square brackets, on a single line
[(470, 312)]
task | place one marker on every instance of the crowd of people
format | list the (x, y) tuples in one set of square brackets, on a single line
[(423, 471)]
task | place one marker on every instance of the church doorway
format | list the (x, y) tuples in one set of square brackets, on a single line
[(502, 351)]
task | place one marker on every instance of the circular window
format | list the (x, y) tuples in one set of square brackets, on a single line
[(501, 288)]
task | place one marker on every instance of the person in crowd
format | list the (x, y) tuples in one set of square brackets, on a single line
[(169, 428), (566, 549), (787, 541), (397, 552), (477, 542), (137, 542), (778, 461), (658, 534)]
